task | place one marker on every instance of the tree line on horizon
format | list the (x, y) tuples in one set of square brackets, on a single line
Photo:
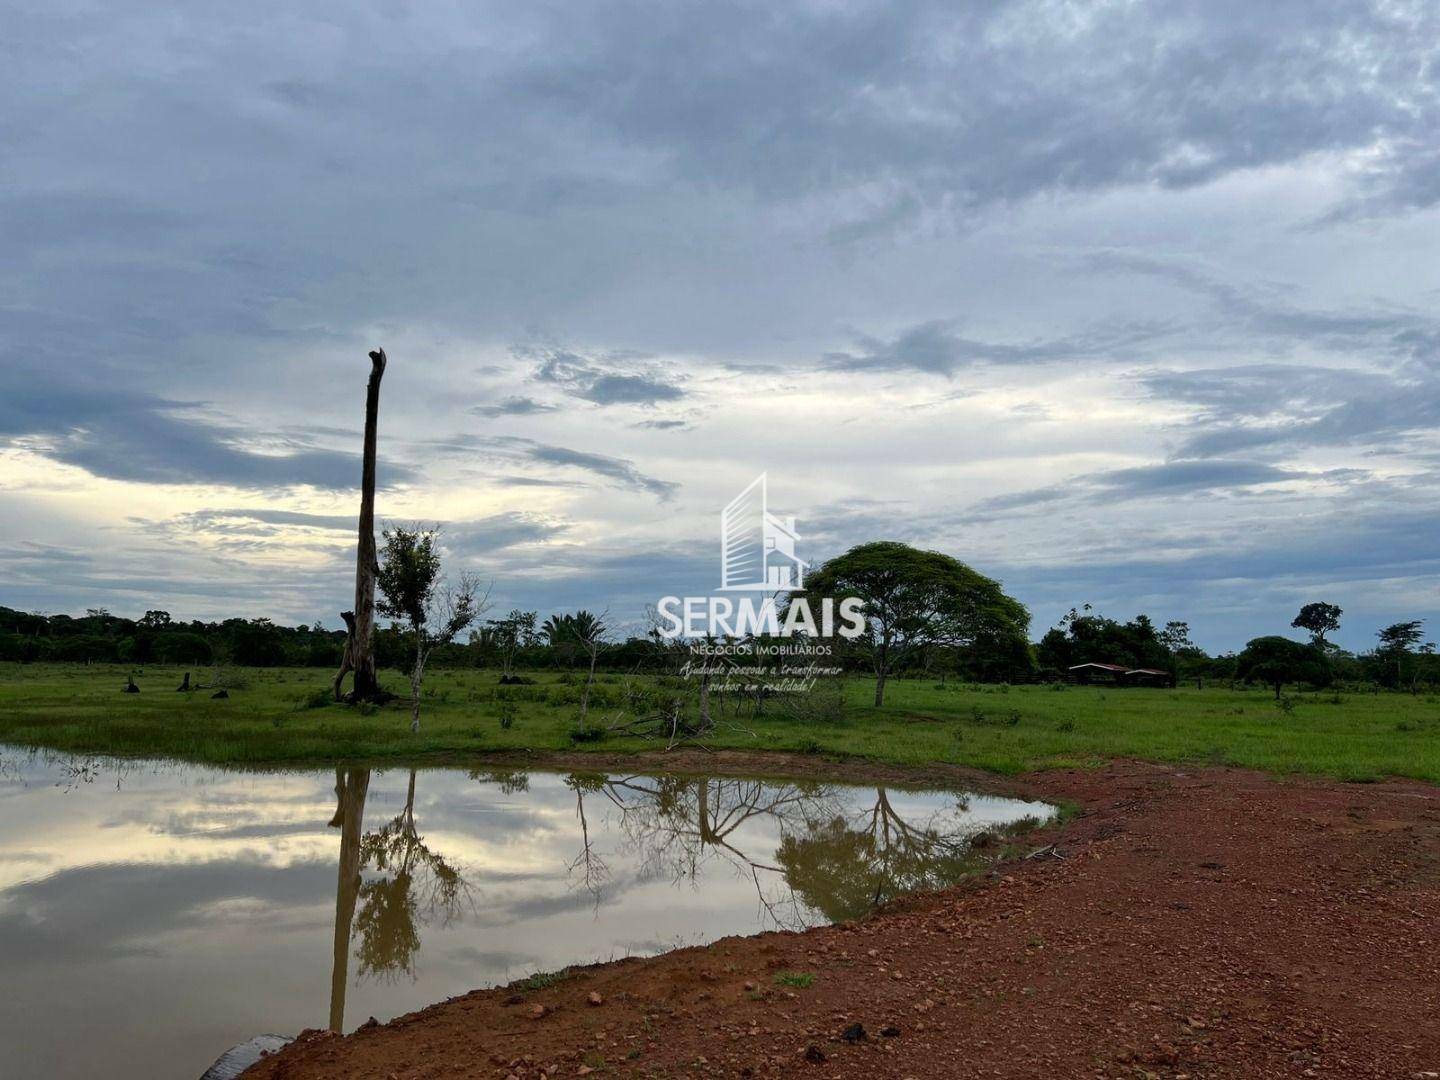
[(520, 640)]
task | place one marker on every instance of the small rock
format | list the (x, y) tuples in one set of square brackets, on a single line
[(854, 1033), (595, 998), (890, 1031), (220, 695), (537, 1011), (814, 1055)]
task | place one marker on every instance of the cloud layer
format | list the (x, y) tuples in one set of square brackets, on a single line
[(1128, 303)]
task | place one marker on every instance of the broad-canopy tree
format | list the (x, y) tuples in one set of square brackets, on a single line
[(1397, 642), (413, 590), (916, 600), (1276, 661), (1318, 619)]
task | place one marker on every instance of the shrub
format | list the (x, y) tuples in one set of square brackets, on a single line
[(318, 698)]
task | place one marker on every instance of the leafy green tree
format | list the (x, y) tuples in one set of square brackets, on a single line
[(1084, 637), (915, 600), (256, 643), (1397, 645), (1318, 619), (1276, 661), (414, 591), (511, 634), (183, 648), (155, 619), (1176, 637)]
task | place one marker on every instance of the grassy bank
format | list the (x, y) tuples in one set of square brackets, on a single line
[(275, 716)]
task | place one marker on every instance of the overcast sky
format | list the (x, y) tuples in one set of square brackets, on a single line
[(1122, 303)]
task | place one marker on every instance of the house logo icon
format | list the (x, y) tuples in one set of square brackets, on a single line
[(757, 548)]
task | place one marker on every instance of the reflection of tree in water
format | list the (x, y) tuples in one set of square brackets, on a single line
[(509, 781), (837, 857), (837, 853), (413, 886), (593, 871), (846, 865), (351, 787)]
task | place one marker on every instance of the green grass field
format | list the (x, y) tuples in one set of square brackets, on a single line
[(281, 716)]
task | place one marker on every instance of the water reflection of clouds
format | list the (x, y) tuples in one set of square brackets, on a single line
[(358, 893)]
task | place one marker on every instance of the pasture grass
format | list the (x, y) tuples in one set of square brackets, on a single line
[(283, 716)]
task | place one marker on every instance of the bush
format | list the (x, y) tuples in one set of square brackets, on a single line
[(823, 703), (318, 698)]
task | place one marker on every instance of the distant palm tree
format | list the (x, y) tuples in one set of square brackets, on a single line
[(556, 630), (586, 627)]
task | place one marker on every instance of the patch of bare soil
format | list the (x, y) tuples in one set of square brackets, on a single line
[(1189, 923)]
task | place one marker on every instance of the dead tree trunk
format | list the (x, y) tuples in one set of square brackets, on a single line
[(360, 623)]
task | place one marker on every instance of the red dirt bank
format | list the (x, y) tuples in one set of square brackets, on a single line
[(1202, 923)]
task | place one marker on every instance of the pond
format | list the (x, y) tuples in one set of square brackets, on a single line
[(154, 914)]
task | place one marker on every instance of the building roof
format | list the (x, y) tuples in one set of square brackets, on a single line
[(1119, 669), (1148, 671)]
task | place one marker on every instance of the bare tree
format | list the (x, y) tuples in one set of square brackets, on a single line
[(359, 654), (434, 609)]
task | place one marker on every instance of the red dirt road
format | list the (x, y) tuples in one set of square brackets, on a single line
[(1201, 923)]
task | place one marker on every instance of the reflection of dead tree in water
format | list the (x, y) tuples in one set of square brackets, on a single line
[(416, 883), (674, 824), (847, 866), (351, 786), (594, 871), (909, 854)]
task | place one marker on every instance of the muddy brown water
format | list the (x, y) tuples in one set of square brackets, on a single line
[(154, 914)]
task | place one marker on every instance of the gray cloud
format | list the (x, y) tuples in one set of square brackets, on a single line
[(935, 348), (629, 390), (613, 380), (1265, 312), (1166, 479), (326, 522), (618, 470), (123, 434), (1277, 407), (481, 536), (663, 425), (514, 406), (1029, 198)]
